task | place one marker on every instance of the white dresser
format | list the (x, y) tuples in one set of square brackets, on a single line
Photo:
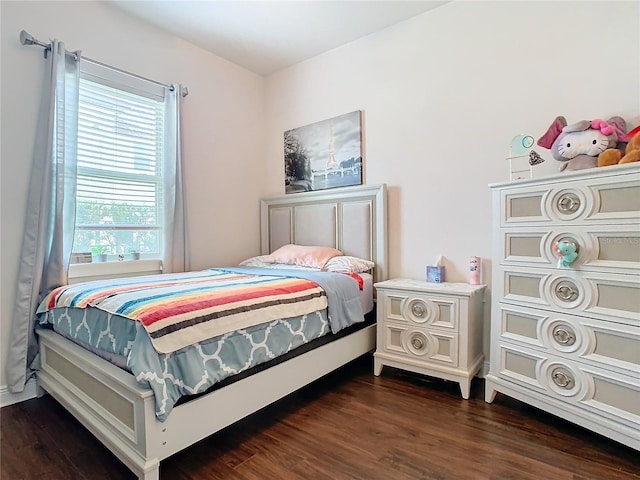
[(430, 328), (567, 339)]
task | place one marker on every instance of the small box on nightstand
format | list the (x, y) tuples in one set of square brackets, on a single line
[(435, 274)]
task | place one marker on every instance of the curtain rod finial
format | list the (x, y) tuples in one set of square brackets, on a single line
[(26, 38)]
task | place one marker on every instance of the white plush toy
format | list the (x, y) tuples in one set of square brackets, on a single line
[(578, 145)]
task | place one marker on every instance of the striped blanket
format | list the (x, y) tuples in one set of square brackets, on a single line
[(178, 310)]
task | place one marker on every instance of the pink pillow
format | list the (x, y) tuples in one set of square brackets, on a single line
[(305, 256)]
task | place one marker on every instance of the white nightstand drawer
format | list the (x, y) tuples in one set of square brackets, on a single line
[(591, 341), (421, 309), (428, 346)]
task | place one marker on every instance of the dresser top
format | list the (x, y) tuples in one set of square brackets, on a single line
[(572, 175), (422, 286)]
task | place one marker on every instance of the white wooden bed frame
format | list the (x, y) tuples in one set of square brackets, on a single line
[(120, 413)]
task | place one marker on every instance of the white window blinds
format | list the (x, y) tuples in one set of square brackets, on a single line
[(119, 182)]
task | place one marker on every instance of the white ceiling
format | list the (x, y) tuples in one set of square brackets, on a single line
[(269, 35)]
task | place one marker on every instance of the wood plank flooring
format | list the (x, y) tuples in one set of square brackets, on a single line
[(348, 425)]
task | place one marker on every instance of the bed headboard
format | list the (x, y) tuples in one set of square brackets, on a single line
[(351, 219)]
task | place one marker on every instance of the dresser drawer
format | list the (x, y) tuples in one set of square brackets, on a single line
[(602, 392), (605, 249), (420, 309), (420, 344), (609, 297), (606, 199), (595, 342)]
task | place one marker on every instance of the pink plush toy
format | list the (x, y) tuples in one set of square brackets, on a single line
[(578, 145)]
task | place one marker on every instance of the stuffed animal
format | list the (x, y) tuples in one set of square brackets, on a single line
[(578, 145), (566, 252), (614, 156)]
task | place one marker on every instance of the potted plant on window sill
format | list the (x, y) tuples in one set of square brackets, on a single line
[(99, 254), (134, 253)]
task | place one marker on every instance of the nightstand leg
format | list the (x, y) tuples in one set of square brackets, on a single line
[(489, 393), (465, 388), (377, 367)]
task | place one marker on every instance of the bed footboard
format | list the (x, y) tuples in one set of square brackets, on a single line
[(113, 406), (105, 399)]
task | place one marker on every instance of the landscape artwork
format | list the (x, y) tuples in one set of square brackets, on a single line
[(325, 154)]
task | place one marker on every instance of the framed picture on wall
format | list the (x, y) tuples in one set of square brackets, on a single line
[(325, 154)]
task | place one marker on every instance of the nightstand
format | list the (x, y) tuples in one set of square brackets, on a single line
[(430, 328)]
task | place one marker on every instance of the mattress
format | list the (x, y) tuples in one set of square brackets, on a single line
[(196, 368), (366, 294)]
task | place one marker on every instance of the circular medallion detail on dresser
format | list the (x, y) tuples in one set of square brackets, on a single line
[(563, 336), (566, 204), (586, 246), (564, 291), (564, 380)]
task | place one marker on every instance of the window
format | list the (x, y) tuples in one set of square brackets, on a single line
[(121, 138)]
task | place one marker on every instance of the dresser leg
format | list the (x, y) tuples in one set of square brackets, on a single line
[(465, 388)]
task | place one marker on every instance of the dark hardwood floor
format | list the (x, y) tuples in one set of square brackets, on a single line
[(348, 425)]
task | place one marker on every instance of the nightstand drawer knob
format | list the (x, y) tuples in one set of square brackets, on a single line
[(568, 203), (567, 292), (417, 343), (563, 379), (564, 336), (418, 310)]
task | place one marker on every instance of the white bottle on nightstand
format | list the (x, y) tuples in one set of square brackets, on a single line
[(475, 265)]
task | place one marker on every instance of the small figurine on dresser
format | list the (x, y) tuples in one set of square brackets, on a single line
[(578, 145), (566, 252), (521, 158)]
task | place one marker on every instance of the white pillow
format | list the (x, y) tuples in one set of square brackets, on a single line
[(348, 264), (259, 261)]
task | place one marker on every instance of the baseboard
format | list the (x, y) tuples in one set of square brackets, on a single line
[(484, 370), (8, 398)]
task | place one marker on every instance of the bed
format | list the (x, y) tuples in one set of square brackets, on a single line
[(122, 414)]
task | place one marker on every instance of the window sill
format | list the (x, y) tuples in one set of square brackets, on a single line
[(87, 271)]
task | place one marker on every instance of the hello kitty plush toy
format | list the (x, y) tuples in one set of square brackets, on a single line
[(578, 145)]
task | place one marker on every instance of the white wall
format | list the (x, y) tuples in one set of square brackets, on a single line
[(444, 93), (223, 126)]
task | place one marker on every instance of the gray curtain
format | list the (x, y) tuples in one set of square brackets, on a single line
[(50, 218), (175, 257)]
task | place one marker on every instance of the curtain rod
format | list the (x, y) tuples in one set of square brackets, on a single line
[(28, 39)]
